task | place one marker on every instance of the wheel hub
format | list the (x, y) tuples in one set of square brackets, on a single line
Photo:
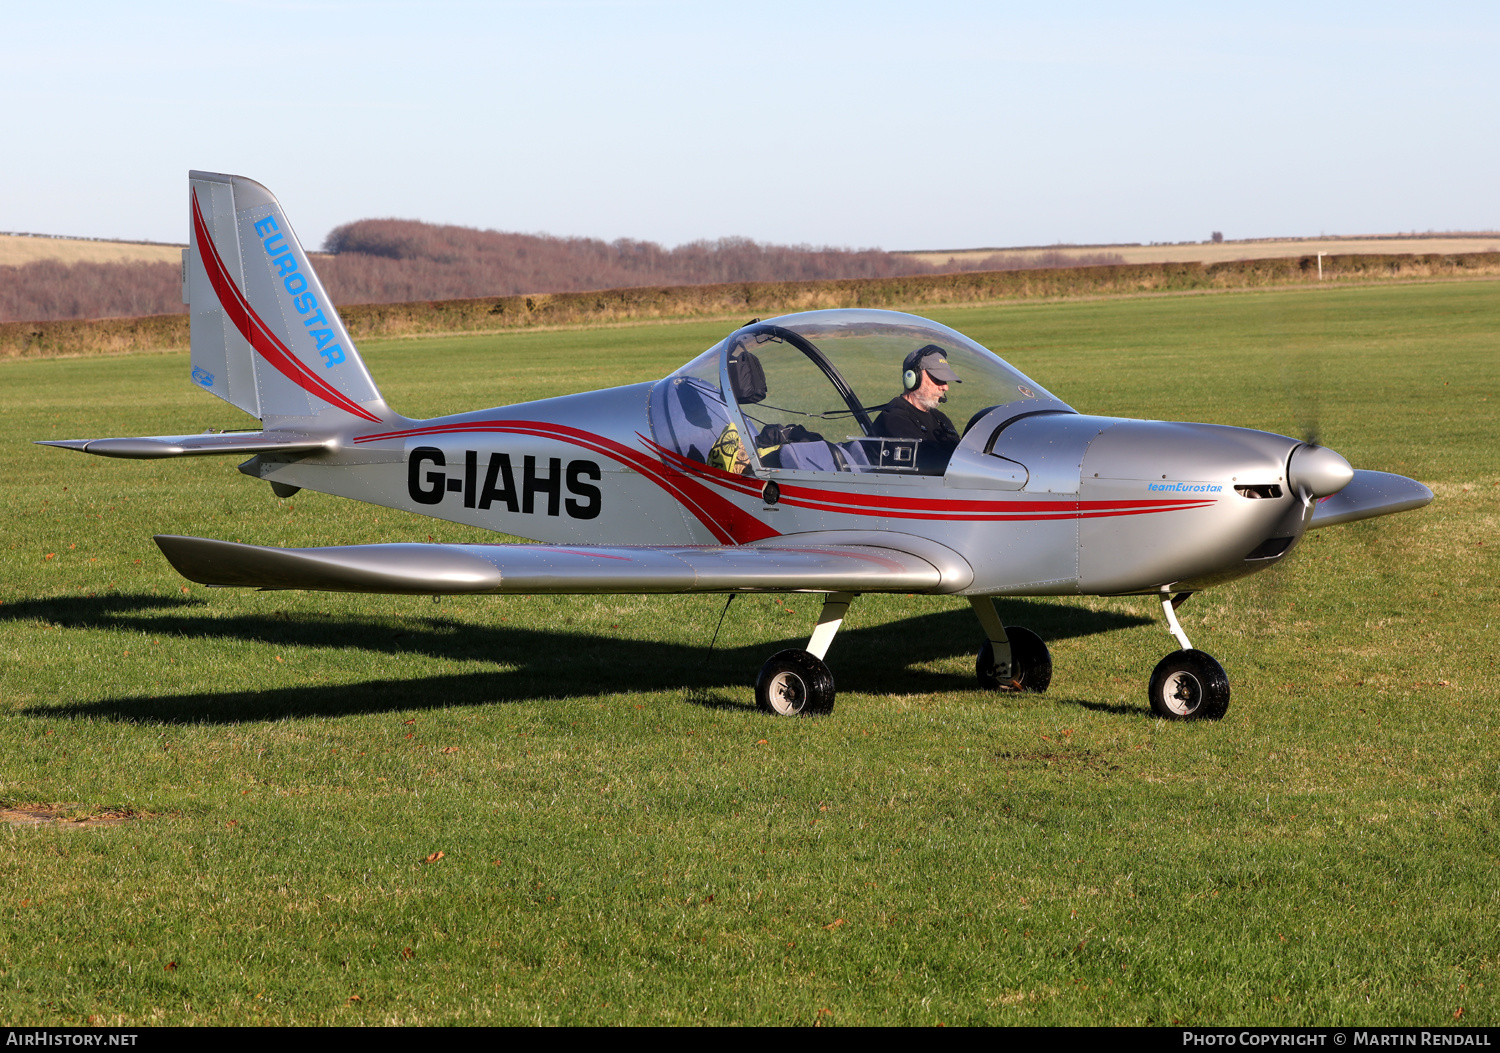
[(1183, 692), (788, 693)]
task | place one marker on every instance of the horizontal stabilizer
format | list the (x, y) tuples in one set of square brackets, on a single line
[(148, 447), (418, 569), (1370, 494)]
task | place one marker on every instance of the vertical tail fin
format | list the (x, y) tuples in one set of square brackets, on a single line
[(265, 335)]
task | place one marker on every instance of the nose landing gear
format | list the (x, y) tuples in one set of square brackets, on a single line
[(1188, 684)]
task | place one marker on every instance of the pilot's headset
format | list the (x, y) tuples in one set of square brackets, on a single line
[(911, 375)]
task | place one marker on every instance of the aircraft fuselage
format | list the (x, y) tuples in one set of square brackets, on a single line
[(1101, 505)]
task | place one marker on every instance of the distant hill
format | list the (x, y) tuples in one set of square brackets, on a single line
[(16, 249), (397, 261), (402, 260)]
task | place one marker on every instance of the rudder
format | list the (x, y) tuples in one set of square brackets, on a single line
[(265, 335)]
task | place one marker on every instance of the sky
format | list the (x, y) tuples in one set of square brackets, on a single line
[(917, 125)]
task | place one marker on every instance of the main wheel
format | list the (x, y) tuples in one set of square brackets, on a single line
[(1030, 663), (794, 683), (1189, 685)]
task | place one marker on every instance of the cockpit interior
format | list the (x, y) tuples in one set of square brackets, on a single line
[(808, 389)]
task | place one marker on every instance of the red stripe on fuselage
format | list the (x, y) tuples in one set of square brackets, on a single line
[(256, 332), (932, 508), (730, 523)]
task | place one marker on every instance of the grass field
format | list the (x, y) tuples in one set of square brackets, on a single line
[(624, 839)]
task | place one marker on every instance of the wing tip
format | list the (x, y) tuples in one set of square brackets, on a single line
[(80, 445)]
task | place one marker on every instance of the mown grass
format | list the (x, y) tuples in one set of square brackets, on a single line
[(626, 840)]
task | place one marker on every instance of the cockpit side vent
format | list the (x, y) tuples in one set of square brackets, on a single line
[(1259, 492)]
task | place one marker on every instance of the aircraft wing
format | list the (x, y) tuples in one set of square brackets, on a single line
[(147, 447), (433, 569), (1370, 494)]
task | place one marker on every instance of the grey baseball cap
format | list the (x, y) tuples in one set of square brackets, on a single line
[(934, 361)]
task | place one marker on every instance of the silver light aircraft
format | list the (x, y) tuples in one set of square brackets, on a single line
[(775, 461)]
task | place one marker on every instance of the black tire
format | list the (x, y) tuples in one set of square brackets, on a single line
[(1189, 685), (794, 683), (1030, 663)]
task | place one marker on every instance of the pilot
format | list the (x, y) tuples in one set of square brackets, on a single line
[(925, 375)]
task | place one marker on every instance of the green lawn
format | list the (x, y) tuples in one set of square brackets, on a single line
[(625, 839)]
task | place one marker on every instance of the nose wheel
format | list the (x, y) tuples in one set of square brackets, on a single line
[(1188, 684)]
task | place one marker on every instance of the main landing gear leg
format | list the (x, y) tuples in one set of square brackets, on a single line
[(796, 683), (1013, 658), (1187, 684)]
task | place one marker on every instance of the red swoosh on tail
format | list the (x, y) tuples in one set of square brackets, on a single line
[(256, 332)]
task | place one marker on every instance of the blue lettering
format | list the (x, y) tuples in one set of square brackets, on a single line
[(1191, 488), (276, 246)]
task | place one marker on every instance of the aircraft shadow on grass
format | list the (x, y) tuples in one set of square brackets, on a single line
[(537, 663)]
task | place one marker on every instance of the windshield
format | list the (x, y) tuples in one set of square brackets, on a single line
[(844, 390)]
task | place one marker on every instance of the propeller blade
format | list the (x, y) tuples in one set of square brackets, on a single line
[(1302, 397)]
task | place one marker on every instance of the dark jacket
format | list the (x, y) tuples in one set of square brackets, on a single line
[(901, 420)]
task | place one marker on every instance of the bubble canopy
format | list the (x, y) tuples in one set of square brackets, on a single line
[(808, 388)]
